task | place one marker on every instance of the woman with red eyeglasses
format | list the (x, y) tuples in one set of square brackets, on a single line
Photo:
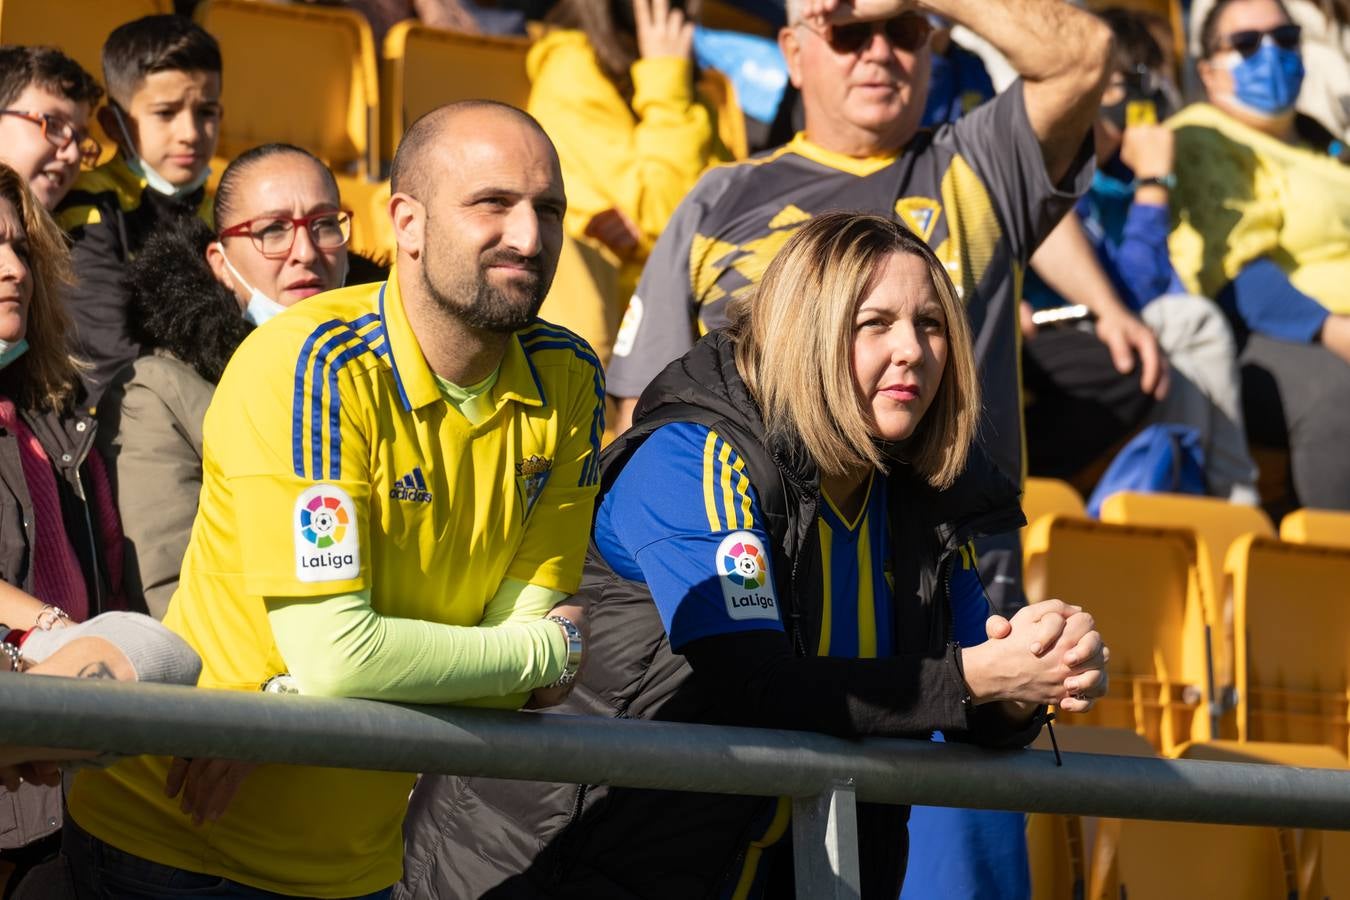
[(194, 295), (1261, 223)]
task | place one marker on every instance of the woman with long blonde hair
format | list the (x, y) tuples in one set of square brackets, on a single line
[(784, 539)]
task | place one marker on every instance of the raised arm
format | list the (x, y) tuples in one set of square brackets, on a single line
[(1061, 53)]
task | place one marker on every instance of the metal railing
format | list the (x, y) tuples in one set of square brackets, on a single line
[(826, 776)]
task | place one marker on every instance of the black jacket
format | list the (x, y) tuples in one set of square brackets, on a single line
[(470, 837)]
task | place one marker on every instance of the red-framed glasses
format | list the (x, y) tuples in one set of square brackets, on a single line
[(60, 134), (907, 31), (275, 235)]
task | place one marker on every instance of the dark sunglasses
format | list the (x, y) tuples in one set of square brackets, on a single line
[(1286, 37), (908, 32)]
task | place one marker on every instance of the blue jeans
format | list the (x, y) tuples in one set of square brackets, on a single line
[(102, 872)]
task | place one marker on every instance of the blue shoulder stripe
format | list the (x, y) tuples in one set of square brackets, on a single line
[(344, 342), (545, 337)]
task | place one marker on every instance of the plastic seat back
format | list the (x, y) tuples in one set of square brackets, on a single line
[(299, 74), (1217, 523), (77, 27), (1316, 526), (427, 67), (1043, 496), (1140, 585), (1166, 860), (1291, 607)]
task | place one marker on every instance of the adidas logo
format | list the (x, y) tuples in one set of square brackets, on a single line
[(411, 488)]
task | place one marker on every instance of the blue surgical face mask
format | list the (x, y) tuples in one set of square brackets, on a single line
[(12, 350), (260, 307), (1267, 83), (142, 169)]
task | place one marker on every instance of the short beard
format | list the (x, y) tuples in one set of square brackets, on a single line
[(491, 309)]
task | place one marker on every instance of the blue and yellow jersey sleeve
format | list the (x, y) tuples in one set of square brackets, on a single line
[(288, 431), (683, 517)]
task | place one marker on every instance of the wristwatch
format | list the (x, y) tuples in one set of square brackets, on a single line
[(575, 645), (1167, 182)]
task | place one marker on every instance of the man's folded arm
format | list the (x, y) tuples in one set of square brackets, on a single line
[(339, 646)]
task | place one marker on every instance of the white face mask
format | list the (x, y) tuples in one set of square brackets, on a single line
[(155, 181), (260, 307)]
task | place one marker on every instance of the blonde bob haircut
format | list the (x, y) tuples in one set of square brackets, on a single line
[(794, 349), (45, 377)]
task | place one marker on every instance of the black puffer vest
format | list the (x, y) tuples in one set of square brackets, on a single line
[(484, 838)]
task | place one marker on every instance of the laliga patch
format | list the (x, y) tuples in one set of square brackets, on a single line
[(743, 572), (327, 545)]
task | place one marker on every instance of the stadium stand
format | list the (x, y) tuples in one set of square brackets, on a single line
[(1293, 641), (1316, 526), (720, 14), (1144, 594)]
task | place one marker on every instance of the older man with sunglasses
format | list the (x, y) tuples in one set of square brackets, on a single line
[(1261, 216)]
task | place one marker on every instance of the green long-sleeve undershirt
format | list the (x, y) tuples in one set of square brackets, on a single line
[(340, 646)]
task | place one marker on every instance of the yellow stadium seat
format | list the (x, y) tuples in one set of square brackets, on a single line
[(77, 27), (1140, 584), (1316, 526), (1166, 860), (299, 74), (1043, 496), (1291, 612), (426, 67), (1056, 845), (1323, 857), (1217, 523)]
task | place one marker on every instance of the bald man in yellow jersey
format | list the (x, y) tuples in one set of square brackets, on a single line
[(398, 487)]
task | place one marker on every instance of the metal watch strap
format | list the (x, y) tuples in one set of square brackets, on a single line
[(575, 644)]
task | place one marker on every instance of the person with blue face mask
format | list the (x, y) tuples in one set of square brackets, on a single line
[(194, 293), (1261, 222)]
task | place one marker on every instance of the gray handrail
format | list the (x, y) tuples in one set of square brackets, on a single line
[(825, 774)]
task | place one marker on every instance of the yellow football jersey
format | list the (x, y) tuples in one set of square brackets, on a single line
[(333, 464)]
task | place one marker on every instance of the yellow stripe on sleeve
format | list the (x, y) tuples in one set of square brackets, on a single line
[(743, 490), (827, 582), (867, 613), (728, 503), (709, 499)]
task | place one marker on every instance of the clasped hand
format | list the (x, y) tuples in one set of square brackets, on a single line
[(1048, 652)]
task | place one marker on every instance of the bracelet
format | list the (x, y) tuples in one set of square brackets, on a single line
[(11, 653), (575, 645), (49, 615)]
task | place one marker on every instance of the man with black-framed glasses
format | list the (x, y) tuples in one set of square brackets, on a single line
[(45, 102)]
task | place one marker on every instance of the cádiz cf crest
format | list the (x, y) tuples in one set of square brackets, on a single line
[(531, 476)]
